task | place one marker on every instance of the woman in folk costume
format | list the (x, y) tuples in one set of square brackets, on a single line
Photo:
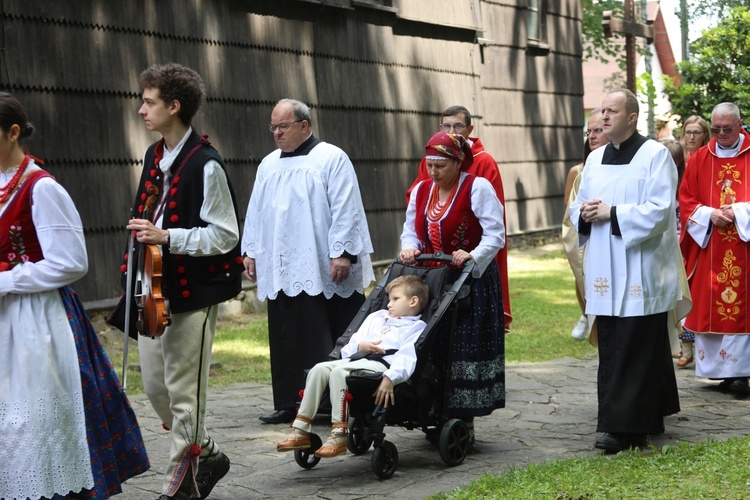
[(460, 215), (66, 427)]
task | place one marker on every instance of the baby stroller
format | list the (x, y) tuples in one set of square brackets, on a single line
[(421, 401)]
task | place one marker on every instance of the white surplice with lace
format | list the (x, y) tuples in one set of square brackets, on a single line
[(304, 211)]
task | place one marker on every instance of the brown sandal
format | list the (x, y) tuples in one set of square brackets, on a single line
[(684, 361)]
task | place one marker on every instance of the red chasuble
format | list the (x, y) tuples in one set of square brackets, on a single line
[(718, 274)]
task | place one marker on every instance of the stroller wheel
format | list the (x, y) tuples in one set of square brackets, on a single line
[(306, 458), (356, 441), (385, 460), (454, 442)]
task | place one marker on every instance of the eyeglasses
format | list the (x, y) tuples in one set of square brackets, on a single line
[(721, 130), (593, 131), (447, 127), (693, 133), (283, 127)]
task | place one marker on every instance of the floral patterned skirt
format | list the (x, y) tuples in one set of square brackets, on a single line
[(115, 443), (477, 352)]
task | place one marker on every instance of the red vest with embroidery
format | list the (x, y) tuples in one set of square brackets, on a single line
[(459, 229), (18, 240)]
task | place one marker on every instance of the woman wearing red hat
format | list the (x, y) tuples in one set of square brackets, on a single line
[(460, 215)]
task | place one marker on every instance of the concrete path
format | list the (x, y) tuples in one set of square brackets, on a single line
[(550, 414)]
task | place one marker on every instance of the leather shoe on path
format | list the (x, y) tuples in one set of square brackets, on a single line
[(279, 417), (333, 447), (210, 471), (298, 440), (614, 443)]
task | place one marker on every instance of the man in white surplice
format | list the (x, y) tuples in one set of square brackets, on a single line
[(306, 243), (625, 214)]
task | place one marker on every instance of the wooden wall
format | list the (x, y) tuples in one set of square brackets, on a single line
[(376, 73)]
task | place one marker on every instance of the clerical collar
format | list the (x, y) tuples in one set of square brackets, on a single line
[(304, 148), (625, 153), (730, 151)]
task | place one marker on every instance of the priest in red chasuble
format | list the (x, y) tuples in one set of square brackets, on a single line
[(715, 215)]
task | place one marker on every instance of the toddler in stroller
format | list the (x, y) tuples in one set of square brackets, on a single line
[(384, 344)]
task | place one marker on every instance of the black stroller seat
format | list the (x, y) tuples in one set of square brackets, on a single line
[(421, 401)]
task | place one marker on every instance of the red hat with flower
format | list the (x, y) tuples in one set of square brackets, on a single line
[(451, 146)]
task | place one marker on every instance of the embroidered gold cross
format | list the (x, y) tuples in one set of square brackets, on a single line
[(601, 286)]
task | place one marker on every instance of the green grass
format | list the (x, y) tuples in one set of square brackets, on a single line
[(545, 309), (703, 470)]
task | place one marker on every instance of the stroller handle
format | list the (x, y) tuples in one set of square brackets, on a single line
[(444, 257)]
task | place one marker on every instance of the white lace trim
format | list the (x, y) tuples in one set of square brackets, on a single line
[(45, 450)]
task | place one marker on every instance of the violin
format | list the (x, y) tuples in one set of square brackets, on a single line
[(153, 308)]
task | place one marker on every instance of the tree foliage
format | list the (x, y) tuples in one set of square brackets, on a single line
[(595, 44), (718, 70)]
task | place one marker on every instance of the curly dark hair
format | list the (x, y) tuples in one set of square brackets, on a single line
[(176, 83)]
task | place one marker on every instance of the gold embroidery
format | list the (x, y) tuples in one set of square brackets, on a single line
[(728, 172), (636, 291), (601, 286), (728, 295), (728, 313), (729, 272), (729, 309), (728, 234)]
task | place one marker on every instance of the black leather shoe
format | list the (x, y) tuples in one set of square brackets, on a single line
[(615, 443), (279, 417), (210, 471), (740, 386)]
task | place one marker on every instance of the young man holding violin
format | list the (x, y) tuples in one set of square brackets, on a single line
[(194, 224)]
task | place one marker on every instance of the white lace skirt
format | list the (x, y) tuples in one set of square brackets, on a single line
[(42, 421), (722, 356)]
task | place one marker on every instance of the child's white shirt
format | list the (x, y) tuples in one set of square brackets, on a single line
[(398, 333)]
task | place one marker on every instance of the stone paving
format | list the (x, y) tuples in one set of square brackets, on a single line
[(550, 414)]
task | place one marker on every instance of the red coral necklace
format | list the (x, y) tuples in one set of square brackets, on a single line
[(435, 209), (11, 186)]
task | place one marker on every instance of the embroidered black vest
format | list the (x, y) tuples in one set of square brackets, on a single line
[(190, 283)]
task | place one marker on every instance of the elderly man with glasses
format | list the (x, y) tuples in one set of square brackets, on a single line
[(715, 215), (307, 245), (457, 120)]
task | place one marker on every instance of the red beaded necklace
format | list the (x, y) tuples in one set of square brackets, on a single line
[(435, 209), (11, 186)]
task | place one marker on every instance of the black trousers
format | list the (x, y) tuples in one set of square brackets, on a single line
[(636, 381), (302, 331)]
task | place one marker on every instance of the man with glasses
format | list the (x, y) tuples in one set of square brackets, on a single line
[(457, 120), (307, 245), (715, 217)]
